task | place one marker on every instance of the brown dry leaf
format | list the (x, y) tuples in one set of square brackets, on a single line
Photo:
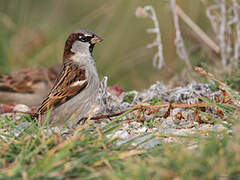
[(167, 114), (220, 113), (197, 117), (226, 98), (179, 115)]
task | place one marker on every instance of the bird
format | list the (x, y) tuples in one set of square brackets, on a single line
[(27, 86), (76, 87)]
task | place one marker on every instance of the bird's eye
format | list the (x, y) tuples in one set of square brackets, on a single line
[(85, 38)]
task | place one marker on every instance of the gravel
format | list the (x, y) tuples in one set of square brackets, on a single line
[(180, 122)]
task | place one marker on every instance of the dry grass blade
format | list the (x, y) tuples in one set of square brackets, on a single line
[(212, 77), (205, 38)]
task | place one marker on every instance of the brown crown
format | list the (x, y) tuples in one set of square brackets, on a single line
[(68, 45)]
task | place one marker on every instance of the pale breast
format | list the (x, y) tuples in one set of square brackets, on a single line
[(80, 105)]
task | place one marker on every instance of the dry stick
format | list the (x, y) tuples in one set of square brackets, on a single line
[(211, 76), (172, 105), (103, 116), (197, 30)]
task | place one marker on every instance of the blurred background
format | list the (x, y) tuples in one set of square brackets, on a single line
[(33, 33)]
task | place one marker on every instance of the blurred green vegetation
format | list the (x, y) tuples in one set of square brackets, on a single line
[(33, 33)]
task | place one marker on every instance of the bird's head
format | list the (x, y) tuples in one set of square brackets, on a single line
[(81, 42)]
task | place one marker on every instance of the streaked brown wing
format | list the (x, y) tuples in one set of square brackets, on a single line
[(25, 80), (21, 84), (69, 83)]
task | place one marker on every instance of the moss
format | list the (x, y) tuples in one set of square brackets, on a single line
[(129, 97), (155, 100), (151, 123)]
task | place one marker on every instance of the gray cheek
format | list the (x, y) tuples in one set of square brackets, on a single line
[(79, 46)]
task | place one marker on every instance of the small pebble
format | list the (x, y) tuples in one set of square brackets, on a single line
[(142, 130), (119, 134), (219, 127), (22, 108)]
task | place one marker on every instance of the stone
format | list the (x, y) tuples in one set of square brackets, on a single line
[(22, 108)]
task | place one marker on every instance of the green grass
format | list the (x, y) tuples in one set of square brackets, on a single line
[(40, 153), (129, 97)]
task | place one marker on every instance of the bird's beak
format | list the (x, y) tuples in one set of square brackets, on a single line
[(96, 40)]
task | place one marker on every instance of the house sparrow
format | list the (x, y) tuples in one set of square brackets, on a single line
[(27, 86), (76, 87)]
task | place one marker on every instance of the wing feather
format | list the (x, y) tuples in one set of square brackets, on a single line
[(71, 81)]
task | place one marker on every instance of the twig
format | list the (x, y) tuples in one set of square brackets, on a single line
[(212, 77), (139, 107), (198, 30), (102, 116), (171, 105)]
